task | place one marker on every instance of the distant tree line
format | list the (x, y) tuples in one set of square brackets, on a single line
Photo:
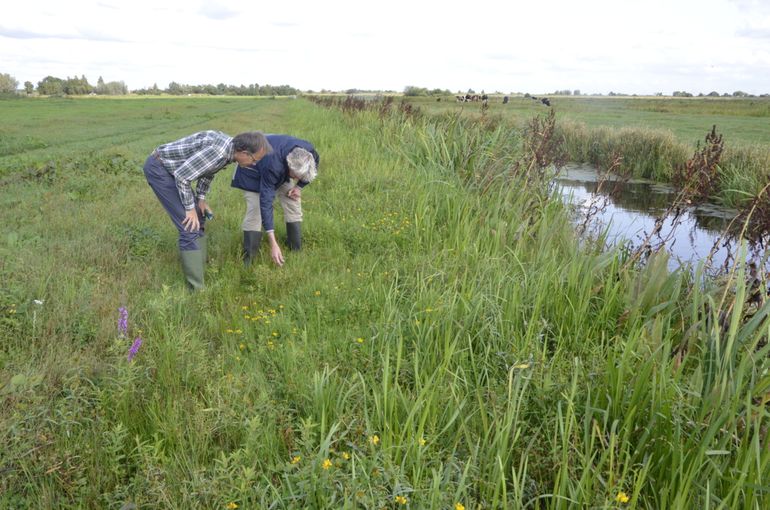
[(412, 91), (180, 89), (53, 86)]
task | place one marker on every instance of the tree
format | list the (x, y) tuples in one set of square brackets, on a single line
[(412, 91), (29, 87), (50, 86), (8, 84)]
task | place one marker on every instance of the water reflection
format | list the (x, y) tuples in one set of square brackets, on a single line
[(628, 212)]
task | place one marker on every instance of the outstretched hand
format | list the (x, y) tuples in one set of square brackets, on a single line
[(276, 255)]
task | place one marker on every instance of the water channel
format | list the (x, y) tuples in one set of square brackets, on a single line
[(628, 211)]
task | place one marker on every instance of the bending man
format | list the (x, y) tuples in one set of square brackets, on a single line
[(170, 171), (291, 165)]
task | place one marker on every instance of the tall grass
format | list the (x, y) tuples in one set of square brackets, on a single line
[(442, 340), (656, 154)]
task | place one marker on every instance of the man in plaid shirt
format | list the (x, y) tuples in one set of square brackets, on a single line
[(171, 170)]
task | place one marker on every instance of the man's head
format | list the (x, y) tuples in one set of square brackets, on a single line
[(301, 165), (249, 148)]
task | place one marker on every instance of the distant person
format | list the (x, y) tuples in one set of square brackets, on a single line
[(170, 171), (291, 166)]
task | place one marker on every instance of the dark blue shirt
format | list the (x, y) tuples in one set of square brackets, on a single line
[(270, 173)]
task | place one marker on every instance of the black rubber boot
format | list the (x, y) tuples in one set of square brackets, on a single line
[(251, 239), (294, 235)]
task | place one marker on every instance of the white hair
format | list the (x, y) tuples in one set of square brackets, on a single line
[(302, 164)]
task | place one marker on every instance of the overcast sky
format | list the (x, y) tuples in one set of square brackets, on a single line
[(537, 46)]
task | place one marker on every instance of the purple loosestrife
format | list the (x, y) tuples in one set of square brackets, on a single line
[(123, 322), (134, 348)]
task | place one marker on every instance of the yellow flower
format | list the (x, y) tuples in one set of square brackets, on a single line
[(401, 500), (422, 441), (318, 293), (296, 459), (459, 506), (327, 464), (232, 505), (375, 439), (228, 331), (360, 340), (622, 497), (346, 455), (244, 308), (242, 346)]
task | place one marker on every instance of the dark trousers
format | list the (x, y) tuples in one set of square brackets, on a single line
[(163, 184)]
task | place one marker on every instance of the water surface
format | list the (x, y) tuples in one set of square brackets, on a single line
[(628, 211)]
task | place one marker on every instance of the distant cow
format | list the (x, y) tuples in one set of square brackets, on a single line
[(545, 101), (505, 100)]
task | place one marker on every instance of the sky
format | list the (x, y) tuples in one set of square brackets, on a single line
[(537, 46)]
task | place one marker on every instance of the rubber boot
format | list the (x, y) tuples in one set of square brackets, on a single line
[(294, 235), (251, 240), (203, 245), (192, 266)]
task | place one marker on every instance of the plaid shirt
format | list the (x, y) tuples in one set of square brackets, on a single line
[(198, 156)]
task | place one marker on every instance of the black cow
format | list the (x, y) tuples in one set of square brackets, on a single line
[(545, 101)]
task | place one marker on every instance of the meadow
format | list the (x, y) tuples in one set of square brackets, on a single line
[(442, 341)]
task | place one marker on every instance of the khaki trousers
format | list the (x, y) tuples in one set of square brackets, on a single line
[(292, 209)]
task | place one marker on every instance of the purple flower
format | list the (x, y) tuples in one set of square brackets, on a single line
[(134, 348), (123, 321)]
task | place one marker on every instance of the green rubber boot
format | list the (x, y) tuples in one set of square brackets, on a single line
[(192, 265), (203, 245)]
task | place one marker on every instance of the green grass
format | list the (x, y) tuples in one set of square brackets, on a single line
[(435, 340), (742, 120), (648, 137)]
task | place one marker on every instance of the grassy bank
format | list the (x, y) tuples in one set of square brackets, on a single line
[(648, 137), (442, 341)]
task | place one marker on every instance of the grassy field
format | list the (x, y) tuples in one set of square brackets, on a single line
[(442, 341), (743, 120)]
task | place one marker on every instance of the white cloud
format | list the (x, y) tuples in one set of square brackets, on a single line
[(599, 45)]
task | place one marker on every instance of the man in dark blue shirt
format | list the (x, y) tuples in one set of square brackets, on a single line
[(292, 164)]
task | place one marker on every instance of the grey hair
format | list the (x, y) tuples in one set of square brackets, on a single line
[(302, 163), (251, 142)]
